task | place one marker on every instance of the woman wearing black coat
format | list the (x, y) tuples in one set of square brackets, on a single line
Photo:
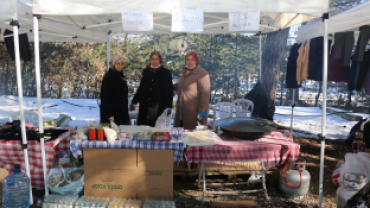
[(155, 92), (114, 94)]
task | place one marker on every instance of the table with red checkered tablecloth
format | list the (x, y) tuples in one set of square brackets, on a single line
[(12, 153), (274, 148), (271, 149)]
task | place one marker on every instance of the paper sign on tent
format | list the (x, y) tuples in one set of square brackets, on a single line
[(244, 20), (137, 21), (187, 21)]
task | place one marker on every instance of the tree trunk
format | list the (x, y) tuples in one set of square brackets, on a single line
[(7, 79), (271, 59)]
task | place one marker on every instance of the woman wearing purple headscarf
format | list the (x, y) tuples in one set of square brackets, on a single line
[(114, 94), (155, 93)]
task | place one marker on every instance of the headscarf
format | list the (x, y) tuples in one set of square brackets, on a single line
[(160, 60), (194, 55), (115, 59)]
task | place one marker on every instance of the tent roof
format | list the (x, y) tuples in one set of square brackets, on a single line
[(51, 30), (349, 20), (275, 14)]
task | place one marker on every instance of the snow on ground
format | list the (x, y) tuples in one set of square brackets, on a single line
[(80, 115), (306, 123)]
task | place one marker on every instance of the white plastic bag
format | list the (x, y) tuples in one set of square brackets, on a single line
[(201, 138), (163, 122), (355, 163), (111, 133)]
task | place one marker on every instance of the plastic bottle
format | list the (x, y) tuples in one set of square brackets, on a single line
[(16, 189)]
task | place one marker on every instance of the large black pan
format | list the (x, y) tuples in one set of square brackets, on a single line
[(246, 128)]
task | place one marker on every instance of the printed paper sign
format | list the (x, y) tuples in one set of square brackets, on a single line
[(137, 21), (244, 20), (187, 20)]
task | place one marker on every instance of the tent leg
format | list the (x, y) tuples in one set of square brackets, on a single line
[(39, 102), (323, 123), (108, 49), (291, 118), (260, 58), (21, 107)]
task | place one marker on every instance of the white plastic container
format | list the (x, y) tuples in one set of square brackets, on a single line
[(343, 195)]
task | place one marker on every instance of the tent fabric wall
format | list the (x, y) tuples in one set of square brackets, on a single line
[(349, 20)]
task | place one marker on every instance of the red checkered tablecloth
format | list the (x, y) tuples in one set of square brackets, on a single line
[(274, 148), (12, 153)]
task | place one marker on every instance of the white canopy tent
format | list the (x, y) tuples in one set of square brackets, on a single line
[(275, 14), (105, 16), (350, 20), (50, 31)]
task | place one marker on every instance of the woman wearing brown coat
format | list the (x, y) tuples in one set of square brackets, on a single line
[(193, 94)]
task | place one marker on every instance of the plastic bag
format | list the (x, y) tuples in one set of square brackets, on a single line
[(336, 172), (111, 133), (114, 126), (63, 120), (66, 181), (163, 122), (354, 163), (201, 138)]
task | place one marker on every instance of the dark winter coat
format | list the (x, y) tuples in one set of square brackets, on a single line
[(114, 102), (154, 88), (316, 58), (291, 71)]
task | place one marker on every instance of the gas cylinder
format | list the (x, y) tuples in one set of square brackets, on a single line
[(295, 179)]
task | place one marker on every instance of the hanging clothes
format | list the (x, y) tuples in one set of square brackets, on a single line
[(343, 47), (362, 41), (315, 64), (367, 88), (352, 76), (337, 72), (291, 71), (24, 46), (359, 73), (302, 61), (363, 71)]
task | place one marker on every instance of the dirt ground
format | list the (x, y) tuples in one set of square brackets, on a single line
[(188, 195)]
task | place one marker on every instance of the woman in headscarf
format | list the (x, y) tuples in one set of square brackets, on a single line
[(193, 94), (114, 94), (155, 92)]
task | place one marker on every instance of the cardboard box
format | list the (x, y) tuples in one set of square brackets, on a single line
[(3, 174), (139, 174)]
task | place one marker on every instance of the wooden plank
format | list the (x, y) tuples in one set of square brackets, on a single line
[(234, 204)]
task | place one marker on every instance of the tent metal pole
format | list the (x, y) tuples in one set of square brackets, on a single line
[(291, 118), (108, 50), (39, 96), (260, 58), (108, 44), (323, 122), (21, 107)]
